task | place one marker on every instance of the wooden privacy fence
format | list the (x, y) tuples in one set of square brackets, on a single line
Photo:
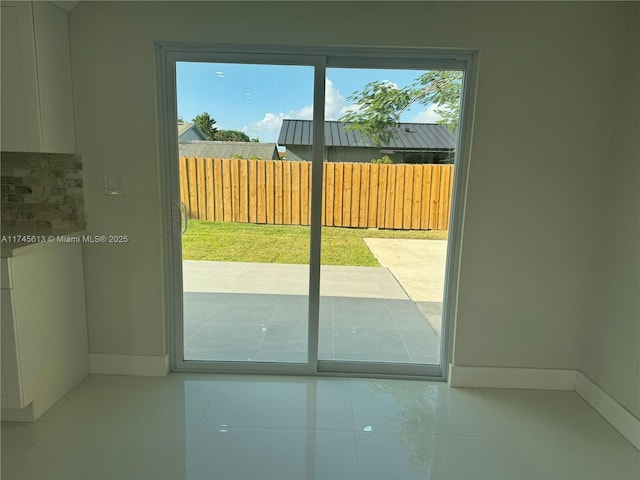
[(365, 195)]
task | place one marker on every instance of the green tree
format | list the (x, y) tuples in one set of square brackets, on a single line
[(231, 136), (206, 124), (380, 104), (385, 160)]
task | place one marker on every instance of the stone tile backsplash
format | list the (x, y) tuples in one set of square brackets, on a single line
[(41, 193)]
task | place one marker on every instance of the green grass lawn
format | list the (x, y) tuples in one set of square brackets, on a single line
[(245, 242)]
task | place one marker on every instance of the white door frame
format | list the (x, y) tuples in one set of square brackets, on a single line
[(321, 58)]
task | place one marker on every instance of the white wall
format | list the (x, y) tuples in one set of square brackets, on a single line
[(611, 342), (542, 129), (113, 80)]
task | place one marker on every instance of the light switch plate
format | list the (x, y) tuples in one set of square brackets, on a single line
[(113, 184)]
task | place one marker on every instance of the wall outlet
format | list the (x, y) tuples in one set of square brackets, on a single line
[(636, 369)]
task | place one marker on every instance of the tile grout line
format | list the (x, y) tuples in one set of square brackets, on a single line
[(353, 421)]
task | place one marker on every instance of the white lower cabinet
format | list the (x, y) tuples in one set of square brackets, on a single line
[(11, 387), (44, 328)]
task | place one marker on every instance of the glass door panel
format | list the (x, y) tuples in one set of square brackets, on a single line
[(386, 206), (246, 250)]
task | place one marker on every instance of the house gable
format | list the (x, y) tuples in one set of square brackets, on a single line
[(190, 131)]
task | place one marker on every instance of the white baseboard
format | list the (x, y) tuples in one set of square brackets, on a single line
[(141, 365), (614, 413), (498, 377), (25, 414)]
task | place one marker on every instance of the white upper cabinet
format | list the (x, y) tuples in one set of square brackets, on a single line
[(37, 103)]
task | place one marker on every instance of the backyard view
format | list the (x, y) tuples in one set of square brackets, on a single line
[(241, 242), (386, 203)]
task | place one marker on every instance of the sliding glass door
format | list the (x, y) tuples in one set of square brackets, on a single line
[(312, 201)]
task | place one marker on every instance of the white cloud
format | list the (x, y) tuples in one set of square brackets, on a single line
[(391, 84), (305, 113), (270, 124), (428, 115), (335, 104)]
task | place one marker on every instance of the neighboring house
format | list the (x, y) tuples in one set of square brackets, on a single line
[(209, 149), (413, 143), (190, 131)]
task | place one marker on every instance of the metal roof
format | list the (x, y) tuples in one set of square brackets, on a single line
[(208, 149), (409, 136)]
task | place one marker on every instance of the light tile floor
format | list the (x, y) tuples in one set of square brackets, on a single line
[(190, 426), (271, 327), (258, 312)]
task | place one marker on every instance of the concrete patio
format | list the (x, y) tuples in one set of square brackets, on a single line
[(258, 312)]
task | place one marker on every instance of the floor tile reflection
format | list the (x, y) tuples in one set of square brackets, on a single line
[(222, 427)]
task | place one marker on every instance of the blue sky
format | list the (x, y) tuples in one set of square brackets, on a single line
[(255, 98)]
